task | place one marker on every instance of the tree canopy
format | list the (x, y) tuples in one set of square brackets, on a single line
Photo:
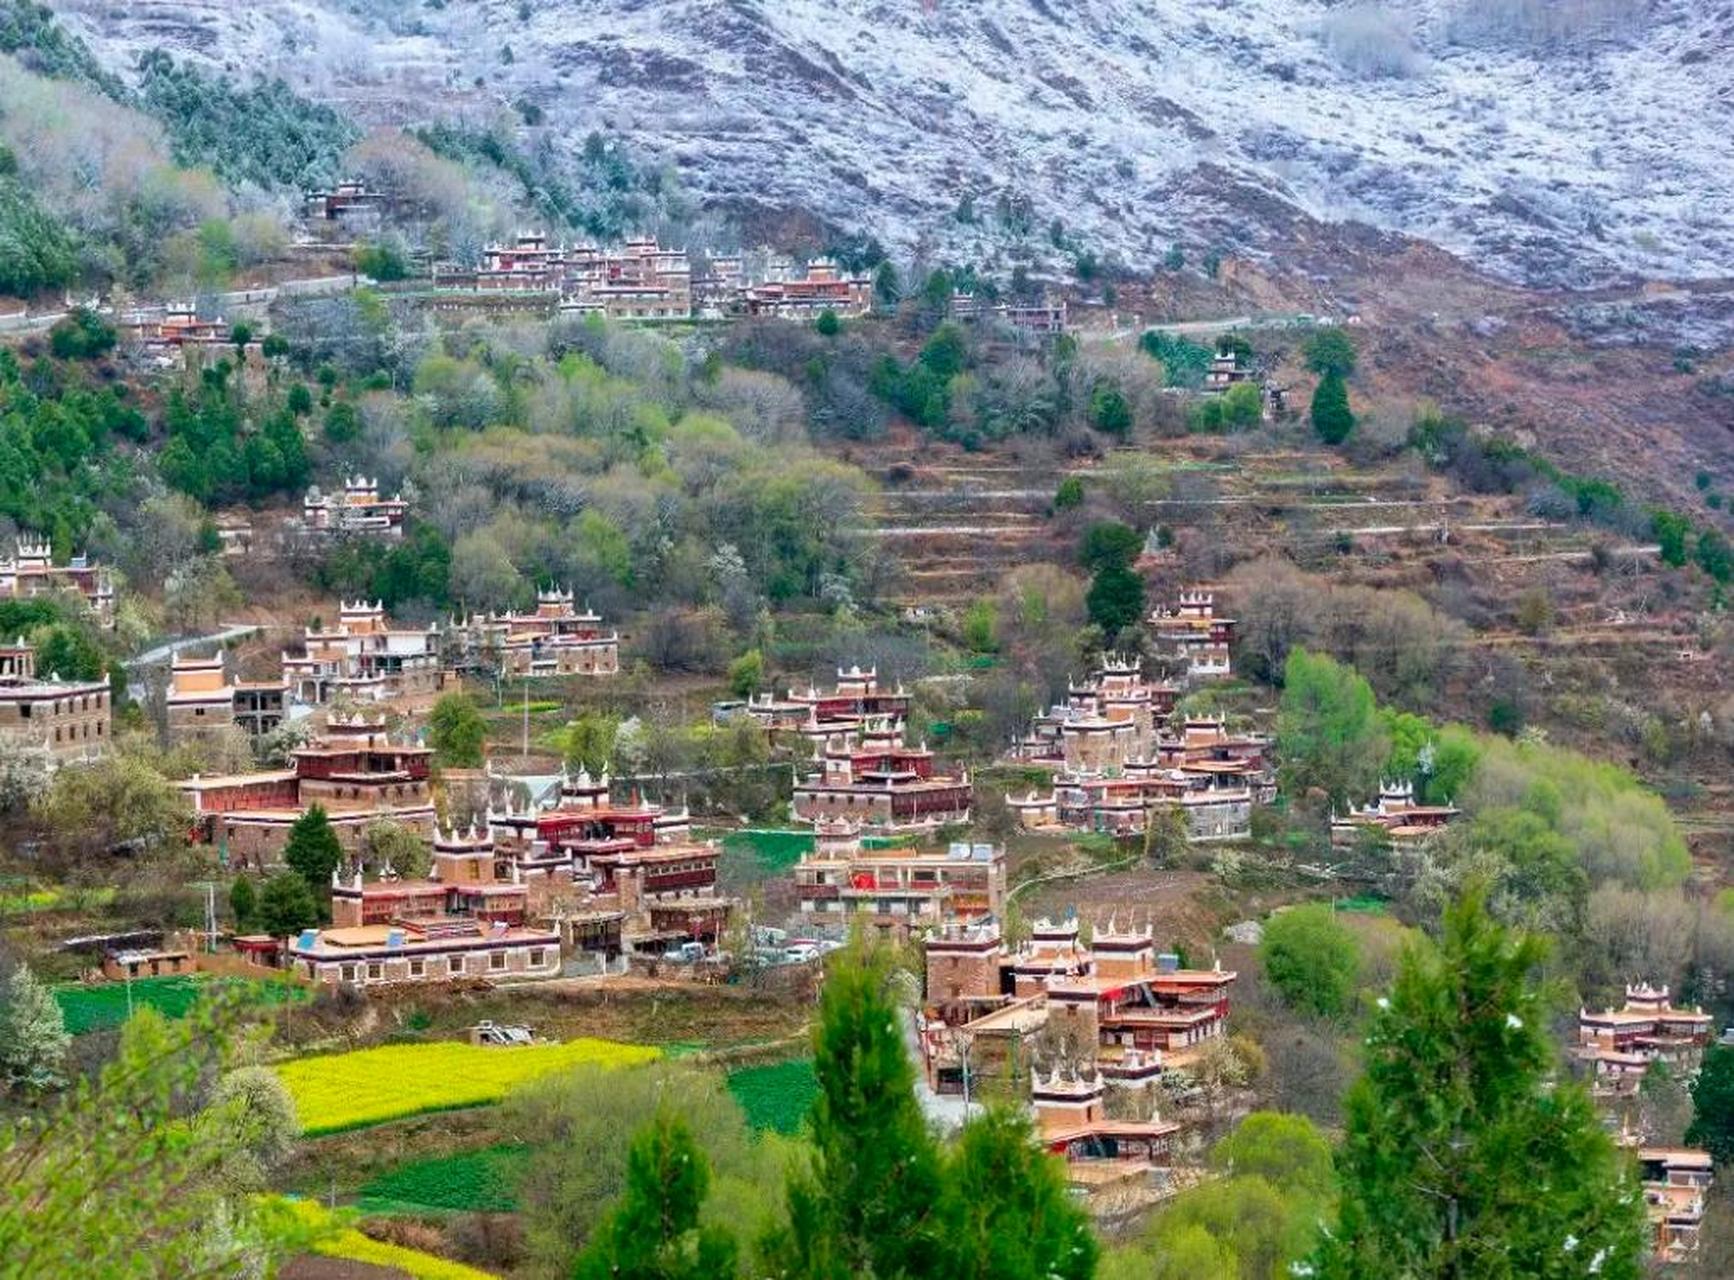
[(1311, 959), (1463, 1156)]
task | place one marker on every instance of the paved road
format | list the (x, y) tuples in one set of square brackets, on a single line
[(163, 652)]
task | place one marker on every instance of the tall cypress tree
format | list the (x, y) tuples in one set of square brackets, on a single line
[(313, 851), (1332, 417), (1007, 1213), (869, 1205), (653, 1232), (1462, 1158)]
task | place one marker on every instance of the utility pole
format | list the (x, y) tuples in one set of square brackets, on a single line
[(526, 748)]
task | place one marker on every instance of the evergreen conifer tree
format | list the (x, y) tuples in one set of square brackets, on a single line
[(1463, 1157), (1332, 417), (868, 1207), (1007, 1214), (33, 1038), (313, 851), (653, 1232), (1712, 1124)]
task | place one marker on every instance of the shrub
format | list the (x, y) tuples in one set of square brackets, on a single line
[(82, 335), (1331, 415), (1311, 959)]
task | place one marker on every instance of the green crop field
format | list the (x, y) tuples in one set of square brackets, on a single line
[(481, 1181), (775, 1097), (99, 1007), (767, 853)]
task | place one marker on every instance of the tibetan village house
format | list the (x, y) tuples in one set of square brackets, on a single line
[(355, 772), (31, 572), (1106, 721), (1394, 816), (896, 885), (462, 922), (1207, 773), (555, 640), (359, 509), (366, 658), (1676, 1181), (68, 720), (202, 699), (1618, 1046), (1135, 1011), (593, 855), (1193, 636), (872, 779), (816, 716)]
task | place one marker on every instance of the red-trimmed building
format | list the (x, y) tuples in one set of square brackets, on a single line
[(872, 779), (354, 771), (1619, 1045), (817, 715), (555, 640)]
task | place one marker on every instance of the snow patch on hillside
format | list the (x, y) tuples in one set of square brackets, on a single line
[(1135, 123)]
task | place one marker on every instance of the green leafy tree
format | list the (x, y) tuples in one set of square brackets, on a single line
[(828, 325), (81, 335), (1007, 1214), (590, 741), (1671, 532), (342, 422), (1115, 600), (868, 1204), (312, 851), (286, 906), (1714, 555), (1331, 351), (980, 626), (1109, 409), (1463, 1157), (1311, 959), (385, 842), (33, 1038), (1333, 420), (240, 334), (1712, 1126), (746, 673), (654, 1232), (457, 732), (1328, 734), (1109, 545), (118, 1180), (70, 653), (1070, 493)]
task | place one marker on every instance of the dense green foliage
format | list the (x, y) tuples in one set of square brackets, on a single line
[(215, 454), (312, 852), (1331, 416), (456, 731), (1184, 363), (132, 1170), (1463, 1156), (37, 251), (81, 335), (57, 449), (1331, 351), (1712, 1126), (653, 1233), (869, 1207), (1257, 1220), (1311, 959), (1329, 737), (266, 135), (30, 33)]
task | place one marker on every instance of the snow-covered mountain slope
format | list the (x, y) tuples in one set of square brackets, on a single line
[(1557, 142)]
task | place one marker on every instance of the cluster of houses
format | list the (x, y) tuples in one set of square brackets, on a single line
[(523, 884), (1616, 1048), (30, 571), (363, 658), (1116, 763), (1109, 1013), (644, 280)]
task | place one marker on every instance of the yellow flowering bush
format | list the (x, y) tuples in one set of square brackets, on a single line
[(351, 1090), (335, 1240)]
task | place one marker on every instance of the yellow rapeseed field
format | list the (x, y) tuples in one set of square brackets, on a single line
[(350, 1090), (335, 1240)]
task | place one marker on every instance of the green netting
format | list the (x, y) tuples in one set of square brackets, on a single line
[(774, 851)]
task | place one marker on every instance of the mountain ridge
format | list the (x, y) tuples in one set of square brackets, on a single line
[(1550, 155)]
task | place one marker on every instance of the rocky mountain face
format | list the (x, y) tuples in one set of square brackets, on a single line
[(1551, 142)]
